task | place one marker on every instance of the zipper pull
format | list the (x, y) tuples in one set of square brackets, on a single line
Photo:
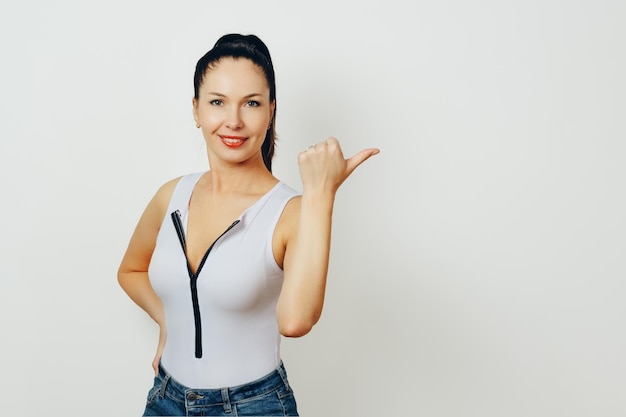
[(178, 226)]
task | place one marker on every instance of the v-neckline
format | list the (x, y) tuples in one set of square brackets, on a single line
[(184, 218), (238, 218)]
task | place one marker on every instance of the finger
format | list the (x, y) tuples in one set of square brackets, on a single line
[(359, 158), (331, 140)]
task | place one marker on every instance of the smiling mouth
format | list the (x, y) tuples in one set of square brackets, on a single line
[(233, 141)]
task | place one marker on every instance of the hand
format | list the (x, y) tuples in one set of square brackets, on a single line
[(160, 347), (323, 167)]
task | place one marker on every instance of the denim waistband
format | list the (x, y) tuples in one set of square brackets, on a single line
[(213, 396)]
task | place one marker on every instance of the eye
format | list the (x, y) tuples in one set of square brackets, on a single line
[(216, 102), (253, 103)]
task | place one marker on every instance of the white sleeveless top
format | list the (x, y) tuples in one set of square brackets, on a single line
[(237, 339)]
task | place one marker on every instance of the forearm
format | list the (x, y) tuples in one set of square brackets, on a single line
[(137, 286), (302, 297), (323, 169)]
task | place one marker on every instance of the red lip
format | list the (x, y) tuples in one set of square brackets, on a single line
[(232, 137), (233, 141)]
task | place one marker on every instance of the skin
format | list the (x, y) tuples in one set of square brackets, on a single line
[(234, 111)]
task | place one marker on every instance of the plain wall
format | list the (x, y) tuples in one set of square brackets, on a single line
[(477, 265)]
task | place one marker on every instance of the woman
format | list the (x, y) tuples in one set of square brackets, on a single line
[(228, 260)]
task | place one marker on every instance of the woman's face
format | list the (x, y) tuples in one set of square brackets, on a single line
[(234, 110)]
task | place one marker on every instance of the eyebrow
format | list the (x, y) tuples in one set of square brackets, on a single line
[(222, 95)]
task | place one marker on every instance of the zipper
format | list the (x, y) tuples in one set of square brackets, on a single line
[(193, 278)]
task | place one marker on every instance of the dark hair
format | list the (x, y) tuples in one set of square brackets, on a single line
[(250, 47)]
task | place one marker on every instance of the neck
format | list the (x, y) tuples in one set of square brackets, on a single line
[(238, 178)]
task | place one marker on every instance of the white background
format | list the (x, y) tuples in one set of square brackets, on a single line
[(478, 263)]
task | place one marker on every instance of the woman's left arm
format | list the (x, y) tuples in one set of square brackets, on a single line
[(307, 249)]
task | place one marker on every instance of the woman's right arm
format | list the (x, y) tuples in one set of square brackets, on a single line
[(132, 274)]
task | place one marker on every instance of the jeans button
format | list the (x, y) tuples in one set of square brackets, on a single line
[(191, 396)]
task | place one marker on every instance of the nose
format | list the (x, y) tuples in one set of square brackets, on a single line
[(233, 118)]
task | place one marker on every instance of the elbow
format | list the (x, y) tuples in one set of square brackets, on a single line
[(295, 328), (296, 320), (122, 278)]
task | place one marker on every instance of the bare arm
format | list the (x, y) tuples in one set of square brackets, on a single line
[(132, 274), (323, 169)]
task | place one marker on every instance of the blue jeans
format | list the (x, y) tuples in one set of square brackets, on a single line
[(270, 395)]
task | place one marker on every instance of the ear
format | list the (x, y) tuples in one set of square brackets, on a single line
[(272, 108), (194, 104)]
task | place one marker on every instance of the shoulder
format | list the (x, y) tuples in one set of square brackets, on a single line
[(287, 228), (292, 207), (164, 193), (144, 237), (290, 218), (291, 199)]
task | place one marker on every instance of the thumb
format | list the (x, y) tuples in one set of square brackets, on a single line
[(359, 158)]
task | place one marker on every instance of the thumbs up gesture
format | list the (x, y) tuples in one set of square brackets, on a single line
[(323, 167)]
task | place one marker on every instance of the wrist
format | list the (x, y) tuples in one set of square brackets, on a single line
[(318, 200)]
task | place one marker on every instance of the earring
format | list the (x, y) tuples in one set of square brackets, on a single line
[(198, 125)]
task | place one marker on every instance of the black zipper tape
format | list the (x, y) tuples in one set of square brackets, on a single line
[(193, 278)]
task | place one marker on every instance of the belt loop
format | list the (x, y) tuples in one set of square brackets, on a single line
[(166, 378), (283, 375), (226, 399), (164, 385)]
